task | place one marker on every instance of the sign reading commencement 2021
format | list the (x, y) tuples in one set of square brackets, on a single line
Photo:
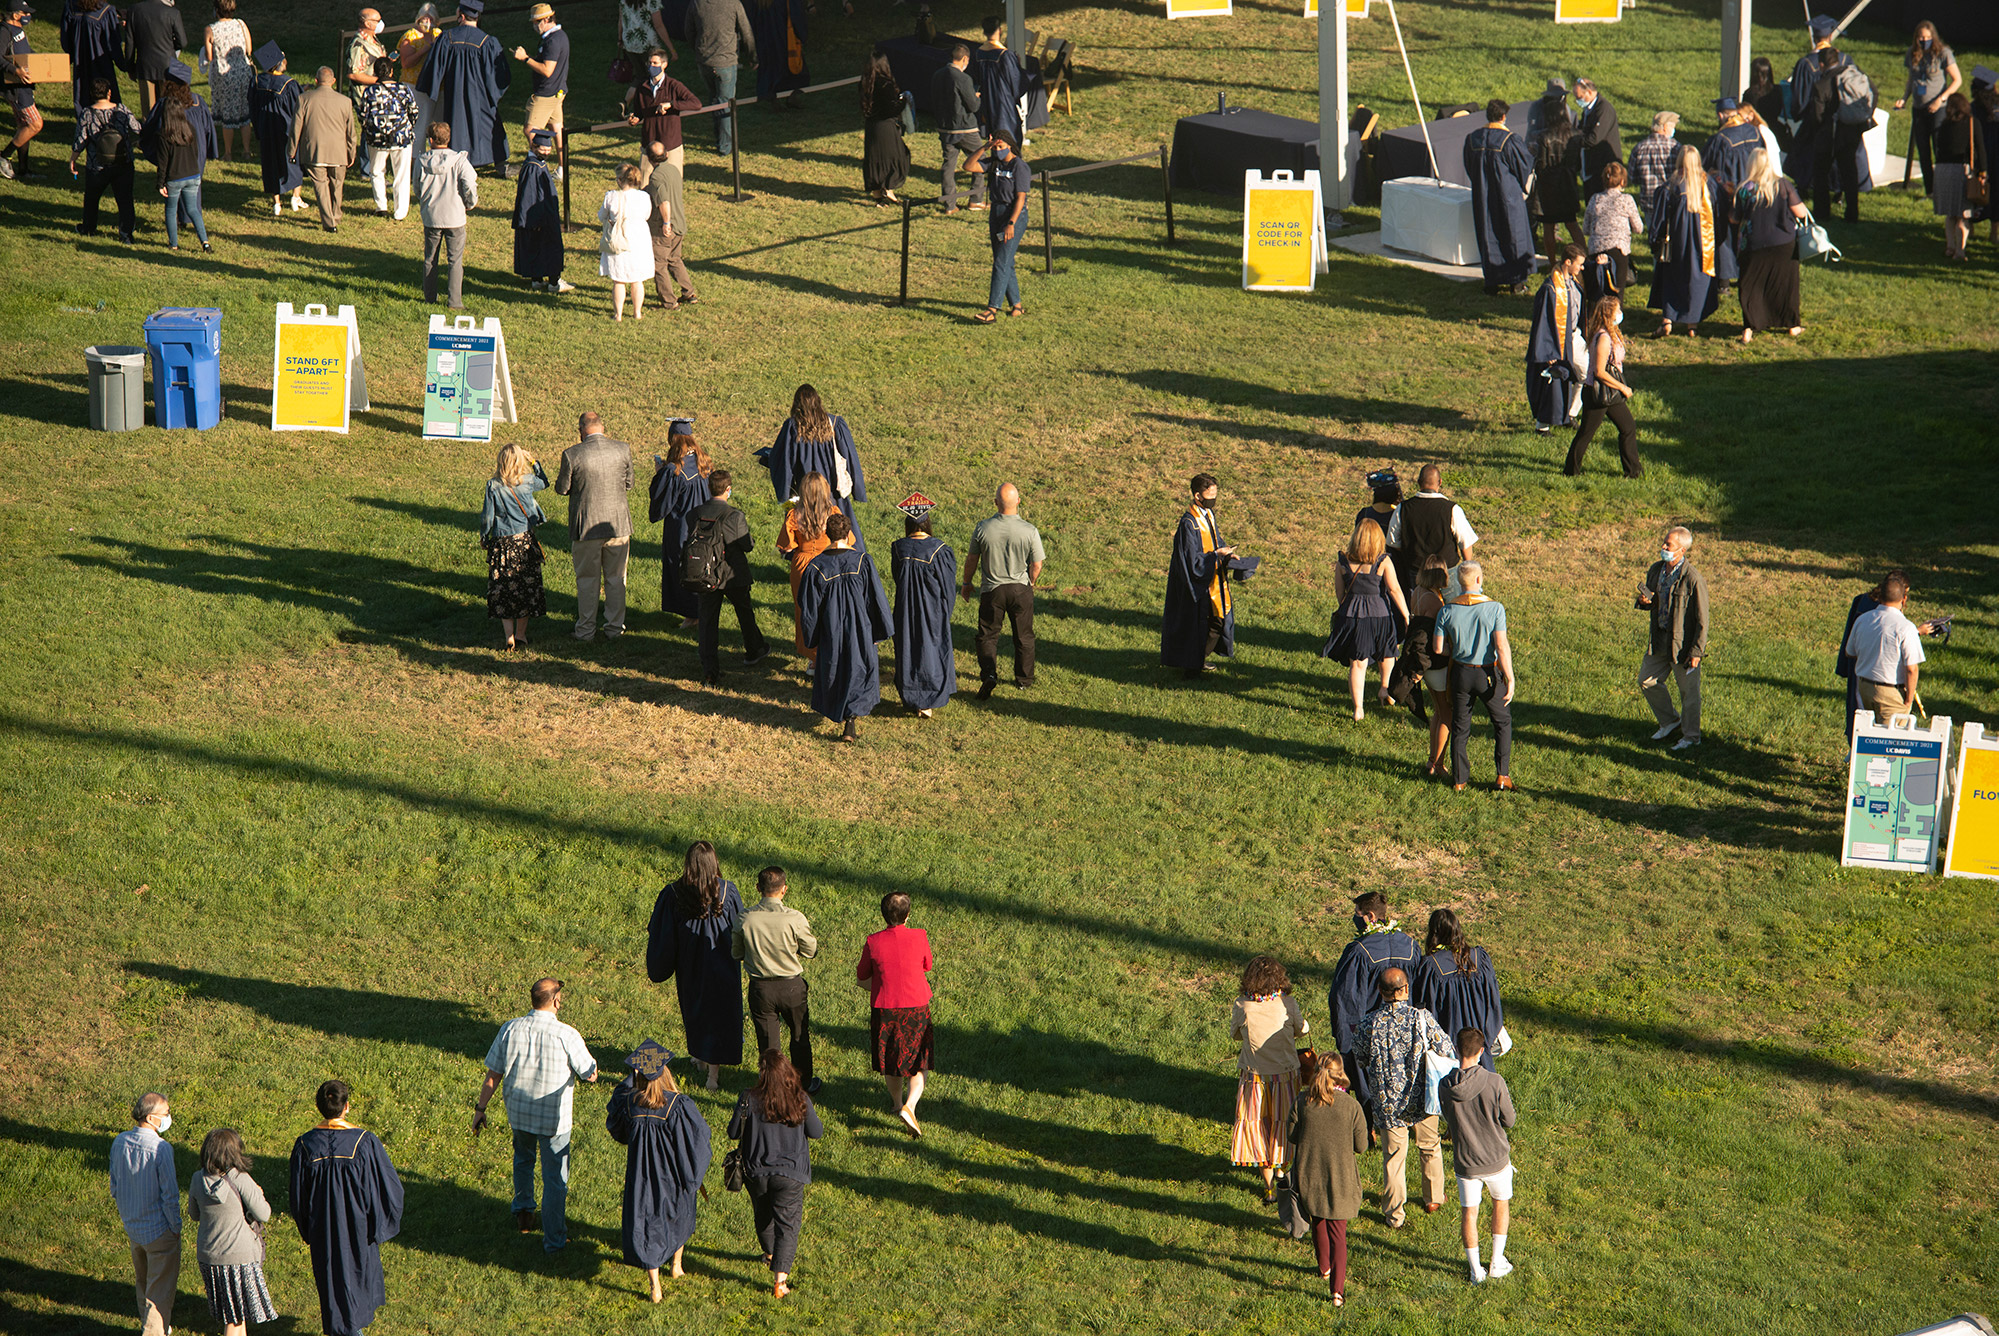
[(467, 383), (1896, 778)]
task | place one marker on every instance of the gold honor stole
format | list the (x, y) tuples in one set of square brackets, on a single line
[(1218, 584), (1706, 212), (1561, 287)]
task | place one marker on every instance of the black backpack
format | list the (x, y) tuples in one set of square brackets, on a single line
[(704, 564)]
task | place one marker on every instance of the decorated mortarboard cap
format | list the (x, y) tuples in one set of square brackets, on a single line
[(179, 72), (916, 505), (680, 427), (649, 1059), (269, 56), (1381, 478), (1726, 104), (472, 7), (1823, 26)]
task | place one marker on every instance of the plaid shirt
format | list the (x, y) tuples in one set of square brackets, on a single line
[(1651, 164), (540, 1059), (1390, 1045)]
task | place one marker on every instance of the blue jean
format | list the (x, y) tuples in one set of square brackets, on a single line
[(184, 196), (554, 1183), (721, 87), (1006, 283)]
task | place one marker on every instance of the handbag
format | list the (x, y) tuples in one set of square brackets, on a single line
[(1290, 1210), (1813, 243), (1976, 188), (1435, 1069), (621, 69), (732, 1170)]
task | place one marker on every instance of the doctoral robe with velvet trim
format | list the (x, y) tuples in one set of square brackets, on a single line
[(707, 979), (925, 573), (667, 1151), (347, 1202), (843, 614), (677, 492), (465, 77), (1460, 997)]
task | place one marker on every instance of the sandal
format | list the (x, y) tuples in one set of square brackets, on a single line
[(1016, 309), (987, 316)]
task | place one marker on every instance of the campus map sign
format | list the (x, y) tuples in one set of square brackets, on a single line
[(466, 379), (1283, 232), (1974, 810), (1895, 793), (317, 376)]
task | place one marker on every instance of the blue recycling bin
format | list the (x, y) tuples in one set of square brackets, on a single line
[(186, 347)]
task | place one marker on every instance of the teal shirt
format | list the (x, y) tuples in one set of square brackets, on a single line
[(1469, 630)]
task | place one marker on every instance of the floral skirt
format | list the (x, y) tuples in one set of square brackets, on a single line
[(238, 1293), (513, 578), (902, 1040), (1263, 1118)]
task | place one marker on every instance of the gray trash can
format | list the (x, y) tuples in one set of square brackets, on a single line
[(117, 387)]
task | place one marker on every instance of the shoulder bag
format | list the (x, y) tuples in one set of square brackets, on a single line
[(732, 1170), (1813, 243), (534, 541)]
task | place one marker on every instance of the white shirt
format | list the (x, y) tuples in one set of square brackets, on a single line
[(1460, 526), (1884, 646)]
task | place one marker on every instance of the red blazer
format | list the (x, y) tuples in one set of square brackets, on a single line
[(894, 961)]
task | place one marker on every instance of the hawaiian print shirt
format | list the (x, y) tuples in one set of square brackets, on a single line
[(1390, 1046), (388, 115)]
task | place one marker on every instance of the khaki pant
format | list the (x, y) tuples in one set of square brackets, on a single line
[(600, 562), (670, 279), (1886, 701), (329, 188), (1395, 1161), (155, 1279), (1653, 672), (677, 155), (545, 113)]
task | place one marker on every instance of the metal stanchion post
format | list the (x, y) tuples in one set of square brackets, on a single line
[(1047, 234), (903, 300), (1166, 175), (562, 152), (736, 153)]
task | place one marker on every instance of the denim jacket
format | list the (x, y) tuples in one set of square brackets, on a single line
[(511, 511)]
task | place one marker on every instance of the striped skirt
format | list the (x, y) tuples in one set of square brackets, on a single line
[(1263, 1118), (238, 1293)]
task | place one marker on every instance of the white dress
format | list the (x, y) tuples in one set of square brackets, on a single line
[(625, 211)]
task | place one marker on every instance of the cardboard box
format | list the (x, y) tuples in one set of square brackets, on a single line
[(45, 68)]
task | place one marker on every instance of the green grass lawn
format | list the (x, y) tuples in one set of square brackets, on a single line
[(275, 810)]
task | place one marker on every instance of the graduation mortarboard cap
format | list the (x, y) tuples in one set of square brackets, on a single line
[(1725, 104), (546, 139), (473, 7), (680, 427), (916, 505), (269, 56), (1982, 75), (1823, 26), (649, 1059), (179, 73), (1381, 478)]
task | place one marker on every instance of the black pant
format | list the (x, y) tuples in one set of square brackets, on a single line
[(1214, 638), (1469, 682), (738, 597), (117, 180), (778, 1005), (1618, 409), (777, 1204), (1005, 602), (1839, 154), (1923, 131)]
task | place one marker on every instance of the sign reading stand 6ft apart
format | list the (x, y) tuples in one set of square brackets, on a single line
[(317, 377), (1588, 11), (1974, 810), (466, 382), (1283, 232), (1198, 9), (1895, 788)]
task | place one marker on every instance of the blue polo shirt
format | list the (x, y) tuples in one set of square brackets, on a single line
[(555, 47), (1468, 630)]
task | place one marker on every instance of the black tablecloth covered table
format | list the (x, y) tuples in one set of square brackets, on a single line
[(1212, 151), (915, 65), (1401, 152)]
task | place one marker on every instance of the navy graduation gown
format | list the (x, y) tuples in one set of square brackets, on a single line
[(1728, 152), (1197, 589), (925, 572), (1497, 162), (1356, 990), (767, 20), (1000, 79), (790, 459), (94, 41), (1460, 997), (347, 1202), (537, 223), (667, 1151), (1680, 288), (466, 76), (1546, 343), (676, 494), (843, 613), (694, 953), (273, 105)]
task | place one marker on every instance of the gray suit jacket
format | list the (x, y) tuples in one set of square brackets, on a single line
[(323, 132), (596, 476)]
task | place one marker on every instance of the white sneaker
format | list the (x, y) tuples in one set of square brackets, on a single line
[(1478, 1276), (563, 285), (1685, 743), (1500, 1267), (1667, 731)]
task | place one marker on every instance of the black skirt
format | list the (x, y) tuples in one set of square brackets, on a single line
[(885, 157), (513, 577), (1769, 288), (901, 1039)]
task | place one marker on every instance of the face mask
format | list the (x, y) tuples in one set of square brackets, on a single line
[(1359, 923), (166, 1121), (1666, 555), (1618, 318)]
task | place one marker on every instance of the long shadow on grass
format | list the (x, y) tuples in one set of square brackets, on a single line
[(354, 1013), (20, 1280), (1771, 1057), (1293, 403)]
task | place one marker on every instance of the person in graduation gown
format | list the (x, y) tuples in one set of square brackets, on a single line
[(668, 1146), (922, 568), (1455, 982), (1689, 227), (679, 488), (93, 35), (465, 77), (687, 941), (801, 538), (1378, 943), (538, 219), (1551, 334), (844, 613), (1726, 160), (780, 31), (274, 99), (347, 1202), (1200, 611), (815, 441), (1001, 79), (1499, 165)]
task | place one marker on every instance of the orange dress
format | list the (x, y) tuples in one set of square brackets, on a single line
[(801, 550)]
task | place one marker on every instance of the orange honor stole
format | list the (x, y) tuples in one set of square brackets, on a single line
[(1706, 212), (1218, 585)]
